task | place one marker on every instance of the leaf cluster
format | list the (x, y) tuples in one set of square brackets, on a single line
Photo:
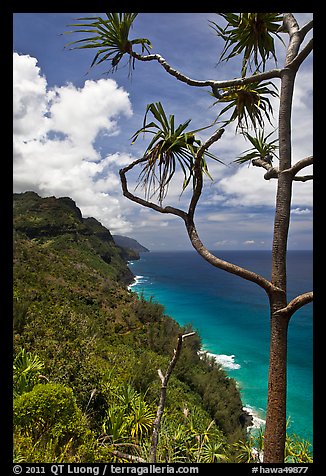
[(171, 146), (261, 147), (110, 37), (249, 104), (251, 34)]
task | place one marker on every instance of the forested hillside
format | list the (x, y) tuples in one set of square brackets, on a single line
[(87, 351)]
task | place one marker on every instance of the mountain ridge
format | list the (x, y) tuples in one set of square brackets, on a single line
[(131, 243)]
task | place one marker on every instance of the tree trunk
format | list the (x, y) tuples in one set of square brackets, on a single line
[(275, 432)]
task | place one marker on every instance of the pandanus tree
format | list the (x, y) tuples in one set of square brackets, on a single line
[(247, 101)]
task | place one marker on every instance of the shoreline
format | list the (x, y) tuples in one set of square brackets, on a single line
[(136, 280), (253, 422)]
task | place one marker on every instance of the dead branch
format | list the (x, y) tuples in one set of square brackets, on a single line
[(164, 382)]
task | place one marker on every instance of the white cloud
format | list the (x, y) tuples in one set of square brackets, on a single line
[(54, 134), (225, 243), (82, 113), (299, 211), (247, 188), (30, 102)]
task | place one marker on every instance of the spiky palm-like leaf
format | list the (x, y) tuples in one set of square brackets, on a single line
[(170, 146), (250, 33), (249, 102), (26, 370), (115, 423), (109, 36), (141, 419), (213, 452), (261, 147)]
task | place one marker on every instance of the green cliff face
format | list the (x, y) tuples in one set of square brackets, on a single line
[(87, 352), (57, 223)]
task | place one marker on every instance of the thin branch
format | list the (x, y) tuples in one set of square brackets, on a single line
[(141, 201), (303, 178), (301, 164), (198, 172), (215, 85), (172, 71), (300, 57), (290, 24), (307, 27), (296, 304), (225, 265), (214, 137), (273, 172), (164, 380)]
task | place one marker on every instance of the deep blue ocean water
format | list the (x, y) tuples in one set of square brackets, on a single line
[(232, 317)]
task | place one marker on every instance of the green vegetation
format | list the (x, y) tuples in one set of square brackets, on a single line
[(87, 351)]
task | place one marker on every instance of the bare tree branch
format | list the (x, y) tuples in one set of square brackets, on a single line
[(172, 71), (215, 85), (300, 57), (165, 379), (303, 178), (307, 27), (296, 304), (189, 219), (225, 265), (299, 166), (141, 201), (198, 172), (273, 172), (302, 164), (189, 222)]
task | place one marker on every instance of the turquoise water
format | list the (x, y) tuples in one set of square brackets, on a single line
[(232, 318)]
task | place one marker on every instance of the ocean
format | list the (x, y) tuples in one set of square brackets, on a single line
[(232, 317)]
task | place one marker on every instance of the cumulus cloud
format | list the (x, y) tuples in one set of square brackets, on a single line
[(246, 187), (54, 134), (30, 103)]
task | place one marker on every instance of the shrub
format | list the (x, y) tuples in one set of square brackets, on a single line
[(48, 409)]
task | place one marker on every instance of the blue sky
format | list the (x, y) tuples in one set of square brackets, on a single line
[(72, 130)]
